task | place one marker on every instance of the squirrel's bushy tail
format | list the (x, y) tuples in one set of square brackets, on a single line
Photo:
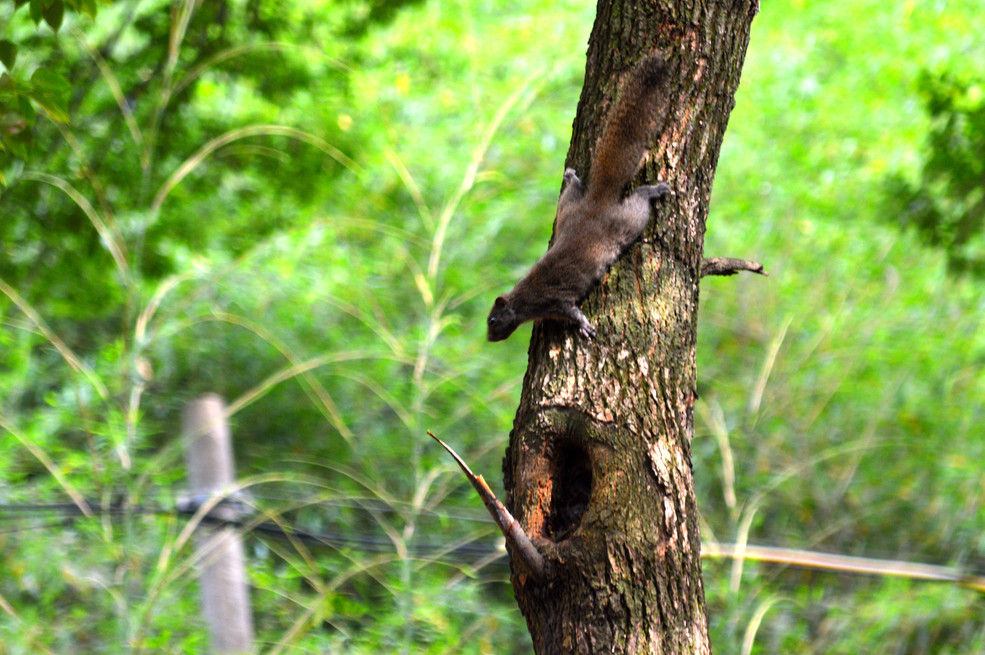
[(632, 124)]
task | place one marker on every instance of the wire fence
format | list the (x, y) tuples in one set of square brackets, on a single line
[(483, 550)]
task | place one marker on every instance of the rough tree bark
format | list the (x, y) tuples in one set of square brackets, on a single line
[(598, 470)]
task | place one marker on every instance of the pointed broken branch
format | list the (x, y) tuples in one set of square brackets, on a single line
[(520, 543), (729, 266)]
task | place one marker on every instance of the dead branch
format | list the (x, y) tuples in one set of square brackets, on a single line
[(516, 538), (729, 266)]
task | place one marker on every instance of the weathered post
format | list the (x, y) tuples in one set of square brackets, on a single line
[(222, 577)]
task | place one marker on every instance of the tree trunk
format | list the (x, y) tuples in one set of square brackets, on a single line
[(598, 470)]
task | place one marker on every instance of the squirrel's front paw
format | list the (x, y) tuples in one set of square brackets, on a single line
[(654, 190)]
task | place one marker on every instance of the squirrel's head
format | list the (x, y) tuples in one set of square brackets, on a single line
[(502, 320)]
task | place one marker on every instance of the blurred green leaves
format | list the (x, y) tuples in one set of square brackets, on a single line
[(46, 88), (244, 224), (52, 12), (8, 53), (946, 207)]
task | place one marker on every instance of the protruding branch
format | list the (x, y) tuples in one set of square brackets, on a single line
[(521, 545), (843, 563), (729, 266)]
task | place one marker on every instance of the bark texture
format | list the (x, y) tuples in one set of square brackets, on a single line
[(598, 470)]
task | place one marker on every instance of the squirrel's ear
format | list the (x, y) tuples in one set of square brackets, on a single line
[(499, 302)]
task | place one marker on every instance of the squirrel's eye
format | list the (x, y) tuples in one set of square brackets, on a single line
[(491, 320)]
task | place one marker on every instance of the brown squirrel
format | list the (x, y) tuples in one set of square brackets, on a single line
[(594, 224)]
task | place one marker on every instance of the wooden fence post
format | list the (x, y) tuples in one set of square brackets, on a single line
[(222, 576)]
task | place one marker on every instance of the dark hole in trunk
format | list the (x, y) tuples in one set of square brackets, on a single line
[(571, 489)]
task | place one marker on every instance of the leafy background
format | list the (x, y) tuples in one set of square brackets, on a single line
[(308, 208)]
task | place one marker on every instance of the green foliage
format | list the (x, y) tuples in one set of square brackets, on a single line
[(52, 12), (216, 228), (46, 88), (840, 399), (947, 207), (309, 212)]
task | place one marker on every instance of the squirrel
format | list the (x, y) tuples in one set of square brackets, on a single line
[(594, 224)]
